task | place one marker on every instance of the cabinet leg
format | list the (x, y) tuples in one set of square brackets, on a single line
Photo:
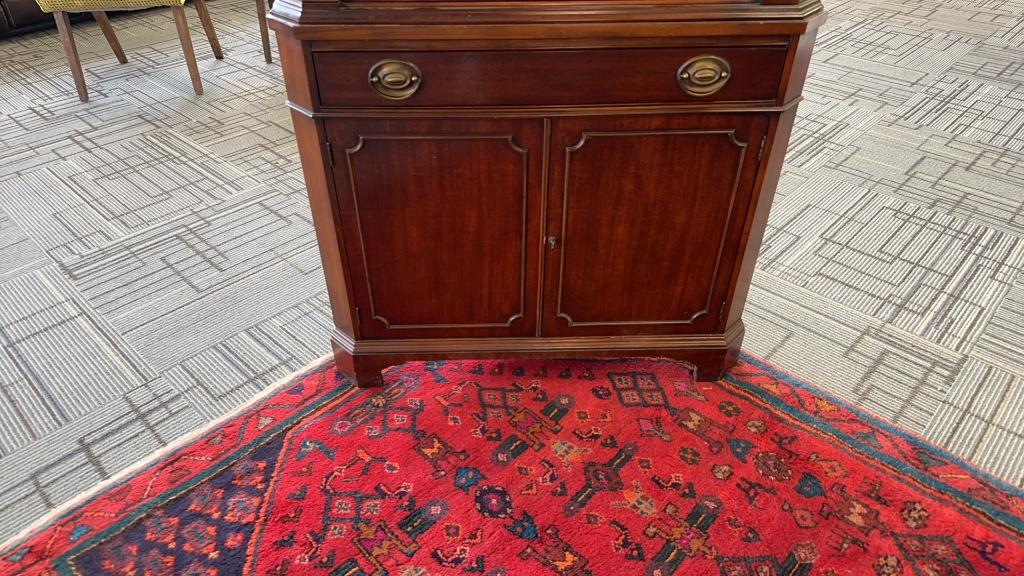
[(709, 369), (368, 376), (711, 366), (366, 371)]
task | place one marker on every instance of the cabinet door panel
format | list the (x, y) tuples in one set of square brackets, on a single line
[(644, 221), (441, 224)]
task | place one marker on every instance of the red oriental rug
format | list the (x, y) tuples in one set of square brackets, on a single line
[(568, 468)]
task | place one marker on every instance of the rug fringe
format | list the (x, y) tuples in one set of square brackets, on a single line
[(65, 508)]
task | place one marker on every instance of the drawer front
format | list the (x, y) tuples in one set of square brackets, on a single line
[(550, 77)]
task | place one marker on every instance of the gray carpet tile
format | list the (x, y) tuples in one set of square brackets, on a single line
[(61, 127), (877, 63), (824, 126), (1000, 342), (868, 362), (980, 418), (182, 287), (18, 252), (91, 448), (981, 111), (232, 371), (263, 142), (954, 175), (158, 267), (994, 64), (978, 20), (60, 358), (930, 274)]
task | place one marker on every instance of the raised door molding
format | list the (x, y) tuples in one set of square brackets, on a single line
[(587, 136), (361, 143)]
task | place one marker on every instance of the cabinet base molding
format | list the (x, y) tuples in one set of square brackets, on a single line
[(710, 354)]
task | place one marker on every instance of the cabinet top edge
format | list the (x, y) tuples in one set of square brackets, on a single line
[(540, 13)]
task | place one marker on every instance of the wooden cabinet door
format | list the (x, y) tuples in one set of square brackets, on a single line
[(441, 224), (644, 221)]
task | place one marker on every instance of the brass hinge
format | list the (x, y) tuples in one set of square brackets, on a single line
[(330, 152), (359, 320), (721, 312), (760, 151)]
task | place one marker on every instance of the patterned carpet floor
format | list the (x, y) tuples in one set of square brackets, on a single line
[(540, 468), (158, 266)]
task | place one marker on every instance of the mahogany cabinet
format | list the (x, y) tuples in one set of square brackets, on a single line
[(528, 178)]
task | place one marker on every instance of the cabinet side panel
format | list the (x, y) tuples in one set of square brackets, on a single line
[(325, 218), (779, 132), (296, 63)]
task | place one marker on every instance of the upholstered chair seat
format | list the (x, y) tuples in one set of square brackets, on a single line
[(104, 5)]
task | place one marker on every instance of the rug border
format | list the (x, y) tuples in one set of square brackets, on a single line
[(875, 420), (178, 443)]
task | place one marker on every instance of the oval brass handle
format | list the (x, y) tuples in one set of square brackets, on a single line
[(395, 79), (703, 75)]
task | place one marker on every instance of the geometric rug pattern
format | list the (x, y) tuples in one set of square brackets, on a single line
[(158, 265), (561, 467)]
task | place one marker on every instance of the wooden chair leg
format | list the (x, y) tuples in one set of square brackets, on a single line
[(101, 19), (261, 15), (211, 34), (186, 46), (64, 28)]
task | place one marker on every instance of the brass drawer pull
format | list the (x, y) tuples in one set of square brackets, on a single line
[(395, 79), (703, 75)]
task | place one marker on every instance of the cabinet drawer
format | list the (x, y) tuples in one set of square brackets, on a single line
[(550, 77)]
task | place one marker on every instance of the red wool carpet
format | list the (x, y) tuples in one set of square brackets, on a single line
[(537, 468)]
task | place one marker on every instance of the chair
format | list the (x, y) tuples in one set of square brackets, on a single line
[(98, 8)]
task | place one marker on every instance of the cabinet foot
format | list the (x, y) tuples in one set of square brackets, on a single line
[(369, 377), (711, 365), (709, 369), (365, 370)]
